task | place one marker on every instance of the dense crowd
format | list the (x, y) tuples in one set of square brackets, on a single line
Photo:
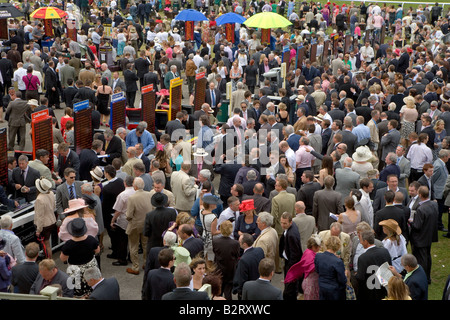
[(321, 176)]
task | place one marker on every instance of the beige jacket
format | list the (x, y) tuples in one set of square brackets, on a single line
[(268, 241), (139, 204), (44, 208)]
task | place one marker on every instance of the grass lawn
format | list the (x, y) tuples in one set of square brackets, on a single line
[(440, 268)]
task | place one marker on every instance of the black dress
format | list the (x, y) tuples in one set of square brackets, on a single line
[(251, 72), (103, 103)]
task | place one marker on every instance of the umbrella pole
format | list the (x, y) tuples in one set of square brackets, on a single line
[(189, 29), (48, 27), (229, 32), (265, 36)]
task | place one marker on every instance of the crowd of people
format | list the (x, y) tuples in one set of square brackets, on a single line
[(339, 167)]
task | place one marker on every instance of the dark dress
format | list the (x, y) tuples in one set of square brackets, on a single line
[(81, 257), (251, 72), (242, 226), (103, 103), (283, 121)]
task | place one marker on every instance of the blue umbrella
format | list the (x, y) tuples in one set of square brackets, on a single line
[(190, 15), (230, 17)]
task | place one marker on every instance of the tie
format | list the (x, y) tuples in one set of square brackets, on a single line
[(139, 139), (106, 145), (71, 194), (22, 177), (213, 98), (245, 116)]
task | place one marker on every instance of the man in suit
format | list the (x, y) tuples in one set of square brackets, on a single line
[(66, 72), (19, 113), (67, 159), (151, 77), (307, 190), (182, 277), (293, 139), (6, 71), (306, 224), (40, 164), (172, 74), (291, 251), (391, 167), (103, 289), (70, 92), (112, 146), (213, 98), (137, 208), (281, 203), (23, 180), (85, 92), (324, 202), (417, 281), (51, 85), (428, 129), (69, 190), (388, 212), (118, 83), (176, 126), (228, 171), (140, 155), (89, 159), (192, 244), (268, 238), (424, 230), (404, 164), (346, 179), (141, 65), (261, 202), (130, 78), (262, 289), (439, 179), (184, 187), (392, 184), (248, 265), (426, 179), (188, 122), (373, 256), (49, 274), (161, 280), (390, 140), (24, 274), (348, 137)]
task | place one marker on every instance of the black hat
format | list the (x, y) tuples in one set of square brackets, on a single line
[(159, 199), (90, 202), (77, 227)]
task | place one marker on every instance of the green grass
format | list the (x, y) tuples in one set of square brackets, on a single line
[(440, 268)]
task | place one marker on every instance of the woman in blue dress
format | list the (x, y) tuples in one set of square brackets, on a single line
[(246, 222)]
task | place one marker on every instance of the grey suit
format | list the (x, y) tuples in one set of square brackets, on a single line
[(19, 113), (260, 290), (66, 72), (346, 180), (108, 289), (439, 178), (324, 202), (389, 142), (60, 278), (62, 195), (351, 140), (405, 170), (446, 117)]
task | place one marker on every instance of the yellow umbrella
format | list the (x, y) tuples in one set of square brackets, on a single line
[(267, 20), (48, 13)]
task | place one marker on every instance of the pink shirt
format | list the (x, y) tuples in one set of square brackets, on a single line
[(303, 158), (358, 31), (378, 21)]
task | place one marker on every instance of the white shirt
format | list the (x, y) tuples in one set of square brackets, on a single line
[(18, 77), (197, 60), (290, 156), (366, 203), (419, 154), (225, 215)]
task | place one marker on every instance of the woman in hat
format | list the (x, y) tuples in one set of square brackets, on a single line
[(408, 117), (361, 161), (397, 289), (350, 218), (97, 178), (394, 242), (209, 224), (44, 216), (305, 267), (77, 209), (5, 269), (79, 252), (246, 222)]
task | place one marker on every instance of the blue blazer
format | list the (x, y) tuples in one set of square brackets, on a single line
[(417, 283), (388, 170), (332, 279)]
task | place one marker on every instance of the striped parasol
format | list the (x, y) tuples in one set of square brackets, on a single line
[(48, 13)]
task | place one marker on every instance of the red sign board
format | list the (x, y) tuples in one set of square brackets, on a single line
[(37, 116), (147, 88), (199, 75)]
